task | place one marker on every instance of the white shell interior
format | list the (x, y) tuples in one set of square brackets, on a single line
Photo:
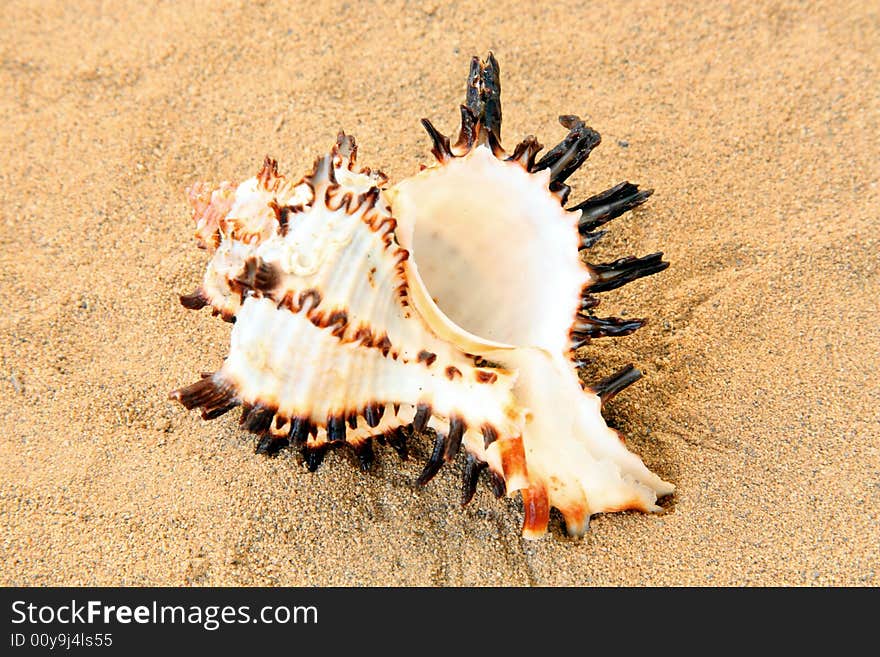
[(480, 231)]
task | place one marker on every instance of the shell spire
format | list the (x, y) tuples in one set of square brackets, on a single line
[(483, 97), (452, 301)]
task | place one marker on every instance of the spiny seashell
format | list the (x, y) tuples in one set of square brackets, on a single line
[(454, 300)]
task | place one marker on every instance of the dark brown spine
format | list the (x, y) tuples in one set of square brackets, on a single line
[(568, 155), (467, 135), (313, 455), (270, 445), (423, 414), (483, 97), (589, 239), (457, 428), (610, 204), (336, 429), (434, 462), (364, 452), (213, 395), (496, 481), (611, 275), (440, 148), (299, 430), (608, 387), (472, 470), (373, 414), (397, 439), (195, 301), (588, 327), (256, 419), (489, 435)]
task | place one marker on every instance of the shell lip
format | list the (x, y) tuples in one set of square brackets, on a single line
[(447, 328)]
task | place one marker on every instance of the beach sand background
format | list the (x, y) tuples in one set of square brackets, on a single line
[(756, 124)]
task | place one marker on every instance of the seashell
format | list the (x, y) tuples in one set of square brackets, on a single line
[(454, 300)]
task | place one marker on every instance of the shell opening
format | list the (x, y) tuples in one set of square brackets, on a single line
[(480, 230)]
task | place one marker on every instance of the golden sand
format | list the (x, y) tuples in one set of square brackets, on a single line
[(757, 125)]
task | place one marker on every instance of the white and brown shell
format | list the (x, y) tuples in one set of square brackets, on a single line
[(452, 301)]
